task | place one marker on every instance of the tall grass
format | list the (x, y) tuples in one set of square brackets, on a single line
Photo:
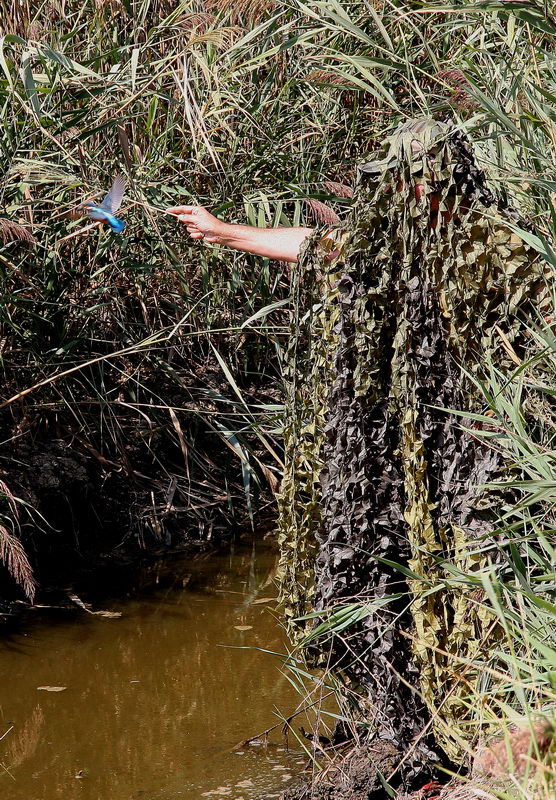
[(127, 342)]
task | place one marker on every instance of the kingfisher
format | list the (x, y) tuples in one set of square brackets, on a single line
[(104, 212)]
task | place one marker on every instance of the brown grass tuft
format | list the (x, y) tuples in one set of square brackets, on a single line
[(11, 550), (321, 212), (327, 77), (338, 189), (11, 231), (459, 84), (15, 558)]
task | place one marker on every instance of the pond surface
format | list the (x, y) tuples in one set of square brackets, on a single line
[(155, 699)]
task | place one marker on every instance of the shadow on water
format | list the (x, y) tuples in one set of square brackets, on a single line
[(154, 700)]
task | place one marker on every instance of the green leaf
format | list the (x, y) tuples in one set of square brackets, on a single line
[(4, 63), (30, 85), (230, 378), (68, 63), (263, 312)]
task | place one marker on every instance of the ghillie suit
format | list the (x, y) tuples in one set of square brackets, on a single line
[(423, 285)]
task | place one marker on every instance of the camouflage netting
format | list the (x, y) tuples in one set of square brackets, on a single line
[(415, 286)]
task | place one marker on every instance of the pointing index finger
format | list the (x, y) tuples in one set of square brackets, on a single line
[(180, 210)]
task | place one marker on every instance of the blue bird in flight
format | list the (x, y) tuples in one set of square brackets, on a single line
[(105, 211)]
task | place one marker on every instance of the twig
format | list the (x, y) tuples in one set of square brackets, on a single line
[(281, 724), (152, 208), (79, 232), (96, 224), (124, 351), (6, 732), (4, 767)]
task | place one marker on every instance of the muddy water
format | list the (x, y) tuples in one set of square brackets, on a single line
[(154, 700)]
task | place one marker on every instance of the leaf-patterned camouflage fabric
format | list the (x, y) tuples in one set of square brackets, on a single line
[(395, 315)]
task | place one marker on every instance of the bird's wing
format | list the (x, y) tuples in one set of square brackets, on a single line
[(113, 199)]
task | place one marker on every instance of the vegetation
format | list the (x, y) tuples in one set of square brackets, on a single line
[(150, 356), (143, 351)]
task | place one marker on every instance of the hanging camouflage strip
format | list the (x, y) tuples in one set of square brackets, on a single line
[(308, 374), (427, 283)]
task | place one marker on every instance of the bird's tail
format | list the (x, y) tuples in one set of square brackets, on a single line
[(117, 225)]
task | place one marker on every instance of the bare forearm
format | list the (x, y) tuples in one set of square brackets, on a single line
[(281, 244)]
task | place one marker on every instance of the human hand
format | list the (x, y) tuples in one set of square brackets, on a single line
[(200, 223)]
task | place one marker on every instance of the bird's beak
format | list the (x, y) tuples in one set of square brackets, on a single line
[(79, 211)]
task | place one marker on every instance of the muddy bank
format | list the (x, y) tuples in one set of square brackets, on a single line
[(491, 770), (362, 772), (356, 774)]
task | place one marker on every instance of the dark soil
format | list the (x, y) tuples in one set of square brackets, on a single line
[(360, 775)]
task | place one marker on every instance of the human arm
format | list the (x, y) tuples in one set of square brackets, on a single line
[(281, 244)]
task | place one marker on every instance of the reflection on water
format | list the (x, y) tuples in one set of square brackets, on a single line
[(154, 701)]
